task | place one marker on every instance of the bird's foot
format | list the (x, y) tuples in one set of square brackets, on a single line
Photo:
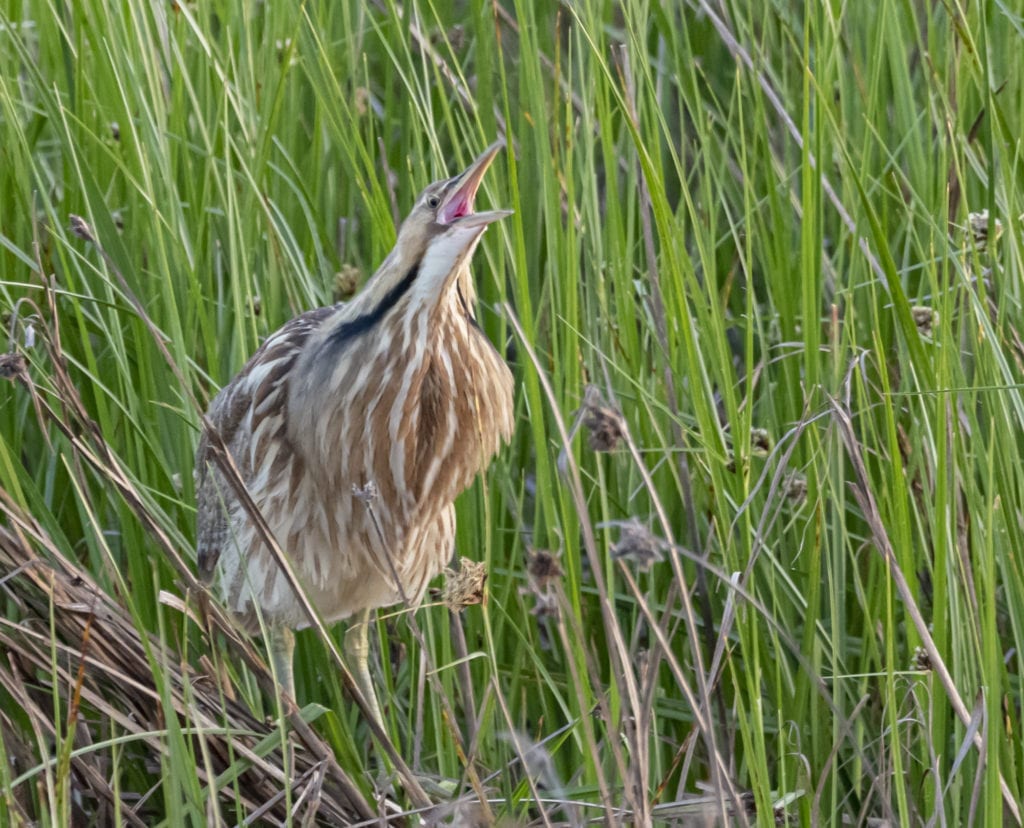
[(436, 787)]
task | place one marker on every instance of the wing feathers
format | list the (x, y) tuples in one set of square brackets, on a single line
[(250, 414)]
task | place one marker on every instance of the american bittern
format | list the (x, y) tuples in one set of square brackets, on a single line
[(398, 390)]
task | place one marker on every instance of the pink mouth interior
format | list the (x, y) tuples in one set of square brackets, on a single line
[(458, 207)]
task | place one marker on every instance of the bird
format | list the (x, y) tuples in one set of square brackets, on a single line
[(354, 428)]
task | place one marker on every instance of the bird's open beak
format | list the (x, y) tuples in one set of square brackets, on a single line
[(458, 204)]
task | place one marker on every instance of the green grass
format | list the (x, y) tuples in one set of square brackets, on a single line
[(728, 218)]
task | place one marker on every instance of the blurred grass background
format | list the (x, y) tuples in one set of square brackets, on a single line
[(791, 589)]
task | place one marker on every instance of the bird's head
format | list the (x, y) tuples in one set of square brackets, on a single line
[(430, 257), (445, 208), (442, 230)]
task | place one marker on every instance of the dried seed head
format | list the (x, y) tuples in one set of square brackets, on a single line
[(543, 567), (464, 586), (637, 543), (760, 442), (921, 660), (12, 366), (794, 487), (543, 572), (545, 604), (982, 230), (925, 318), (346, 281), (80, 228), (537, 761), (457, 37), (604, 423)]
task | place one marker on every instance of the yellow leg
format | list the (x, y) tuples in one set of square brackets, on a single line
[(357, 654), (281, 641)]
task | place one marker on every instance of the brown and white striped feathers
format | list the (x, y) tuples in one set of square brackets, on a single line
[(397, 392)]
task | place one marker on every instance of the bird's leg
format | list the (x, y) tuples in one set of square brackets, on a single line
[(357, 651), (357, 654), (281, 641)]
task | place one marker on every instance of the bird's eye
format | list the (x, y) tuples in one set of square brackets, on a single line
[(433, 201)]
